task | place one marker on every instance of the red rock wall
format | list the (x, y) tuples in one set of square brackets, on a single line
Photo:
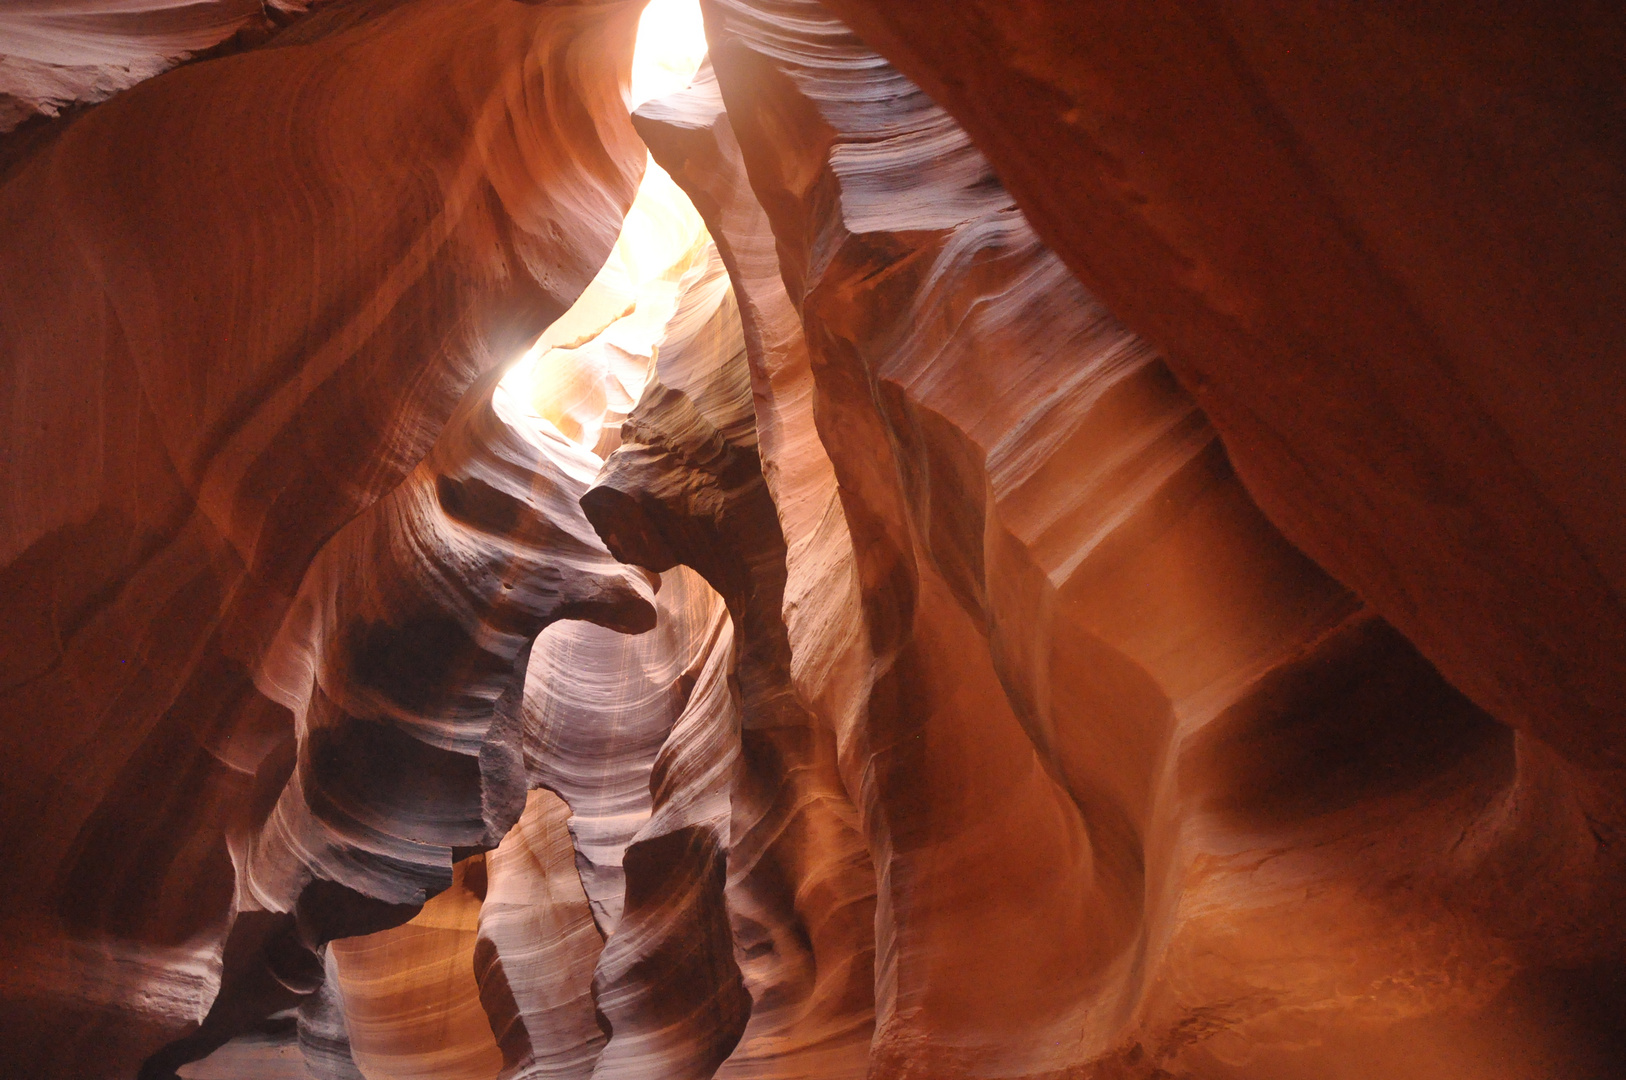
[(804, 896), (780, 936), (222, 342), (58, 54), (1111, 645), (1375, 247), (1223, 692), (537, 948)]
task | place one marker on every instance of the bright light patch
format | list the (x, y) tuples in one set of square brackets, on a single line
[(585, 372), (671, 45)]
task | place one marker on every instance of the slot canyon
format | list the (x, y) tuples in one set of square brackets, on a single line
[(812, 540)]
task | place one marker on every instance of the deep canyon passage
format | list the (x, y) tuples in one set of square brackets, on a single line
[(812, 540)]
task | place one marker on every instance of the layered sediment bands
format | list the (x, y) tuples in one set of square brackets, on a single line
[(403, 661), (219, 349), (1374, 246), (1071, 602), (982, 724), (413, 1007), (405, 656), (537, 950), (636, 734), (599, 705), (951, 984), (667, 983), (324, 1030), (686, 487), (802, 887), (58, 53)]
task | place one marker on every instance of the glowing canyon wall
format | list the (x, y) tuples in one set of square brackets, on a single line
[(1023, 541)]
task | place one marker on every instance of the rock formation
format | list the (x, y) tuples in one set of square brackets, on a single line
[(1054, 541), (1142, 709), (57, 54), (237, 395), (1373, 244)]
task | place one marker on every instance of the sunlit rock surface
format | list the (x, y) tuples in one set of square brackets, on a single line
[(235, 396), (55, 54), (537, 949), (808, 962), (403, 661), (820, 633), (411, 1002), (588, 368)]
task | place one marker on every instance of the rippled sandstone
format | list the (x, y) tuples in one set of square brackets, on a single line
[(235, 396), (1085, 552), (1161, 659), (1374, 247)]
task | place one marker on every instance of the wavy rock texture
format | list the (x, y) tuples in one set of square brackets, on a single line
[(801, 884), (411, 1002), (1373, 246), (310, 1043), (1111, 645), (537, 949), (234, 396), (982, 722), (58, 53), (668, 984), (599, 707), (411, 637), (602, 710), (323, 1032), (639, 735), (403, 661), (587, 369)]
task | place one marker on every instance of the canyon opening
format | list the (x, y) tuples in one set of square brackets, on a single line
[(812, 540)]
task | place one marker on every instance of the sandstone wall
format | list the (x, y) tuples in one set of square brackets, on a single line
[(1098, 561)]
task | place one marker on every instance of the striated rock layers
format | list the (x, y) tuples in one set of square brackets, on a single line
[(1077, 616), (224, 340), (55, 54), (403, 661), (1377, 248), (845, 644)]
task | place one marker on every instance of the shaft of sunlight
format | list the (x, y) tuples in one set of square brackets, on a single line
[(670, 48)]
